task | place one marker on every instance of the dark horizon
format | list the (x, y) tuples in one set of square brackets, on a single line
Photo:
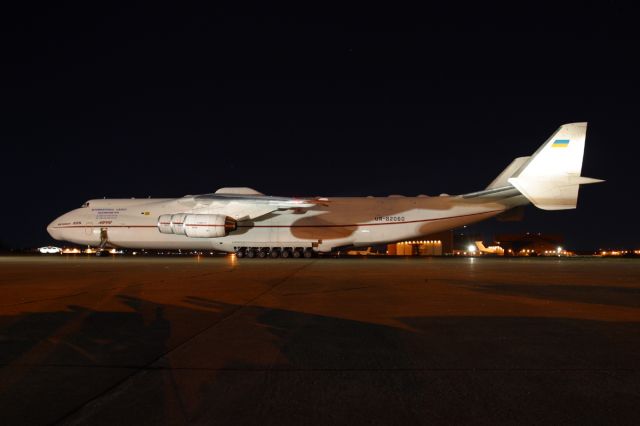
[(132, 102)]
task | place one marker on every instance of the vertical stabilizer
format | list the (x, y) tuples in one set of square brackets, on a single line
[(551, 178), (503, 178)]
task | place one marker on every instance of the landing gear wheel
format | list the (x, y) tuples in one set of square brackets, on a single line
[(274, 253), (240, 254), (262, 254), (285, 253), (308, 254), (297, 254), (251, 254)]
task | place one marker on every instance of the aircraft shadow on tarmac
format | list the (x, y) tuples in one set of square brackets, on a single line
[(225, 363)]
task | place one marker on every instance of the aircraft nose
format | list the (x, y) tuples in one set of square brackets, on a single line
[(54, 231)]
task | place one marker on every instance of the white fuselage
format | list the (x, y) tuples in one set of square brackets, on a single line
[(353, 221), (237, 218)]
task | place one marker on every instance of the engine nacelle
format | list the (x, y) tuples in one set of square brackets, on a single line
[(208, 225), (172, 223), (164, 224), (196, 225)]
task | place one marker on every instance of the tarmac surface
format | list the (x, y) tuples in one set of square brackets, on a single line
[(85, 340)]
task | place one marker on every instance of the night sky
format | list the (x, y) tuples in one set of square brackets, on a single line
[(156, 101)]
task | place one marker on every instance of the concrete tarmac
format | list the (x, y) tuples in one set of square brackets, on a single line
[(162, 340)]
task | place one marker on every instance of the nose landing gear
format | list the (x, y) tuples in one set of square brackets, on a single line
[(104, 240)]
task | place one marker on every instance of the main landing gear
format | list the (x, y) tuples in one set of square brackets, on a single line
[(275, 252)]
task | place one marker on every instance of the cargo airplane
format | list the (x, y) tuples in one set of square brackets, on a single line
[(251, 224)]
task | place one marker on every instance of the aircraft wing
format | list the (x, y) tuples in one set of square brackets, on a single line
[(248, 206)]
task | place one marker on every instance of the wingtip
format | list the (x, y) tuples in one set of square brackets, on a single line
[(576, 124)]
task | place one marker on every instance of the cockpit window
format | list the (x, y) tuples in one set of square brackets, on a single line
[(85, 205)]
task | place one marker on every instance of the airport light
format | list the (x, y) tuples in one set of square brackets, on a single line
[(471, 248)]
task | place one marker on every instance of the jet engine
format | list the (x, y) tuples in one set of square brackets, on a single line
[(196, 225), (172, 223)]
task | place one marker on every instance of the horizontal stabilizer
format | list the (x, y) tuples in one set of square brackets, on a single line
[(559, 193)]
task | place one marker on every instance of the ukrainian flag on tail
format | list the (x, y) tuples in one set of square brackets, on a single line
[(560, 143)]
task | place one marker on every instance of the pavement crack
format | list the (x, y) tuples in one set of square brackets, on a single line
[(48, 299), (149, 366), (335, 290)]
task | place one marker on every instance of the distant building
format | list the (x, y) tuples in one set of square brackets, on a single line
[(530, 244), (439, 244)]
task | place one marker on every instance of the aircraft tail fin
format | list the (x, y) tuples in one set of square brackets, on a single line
[(503, 178), (550, 178)]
